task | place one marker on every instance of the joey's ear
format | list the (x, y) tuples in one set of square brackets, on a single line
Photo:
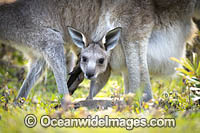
[(77, 37), (110, 40)]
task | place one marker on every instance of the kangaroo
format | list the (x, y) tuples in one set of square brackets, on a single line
[(167, 39), (38, 28)]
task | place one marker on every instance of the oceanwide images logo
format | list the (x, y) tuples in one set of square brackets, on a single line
[(129, 123)]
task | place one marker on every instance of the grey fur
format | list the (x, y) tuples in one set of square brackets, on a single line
[(39, 29), (35, 71), (147, 50)]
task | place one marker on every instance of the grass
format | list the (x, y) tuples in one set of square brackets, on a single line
[(171, 100), (42, 100)]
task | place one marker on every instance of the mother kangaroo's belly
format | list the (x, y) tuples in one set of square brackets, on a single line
[(163, 44), (166, 43), (117, 60)]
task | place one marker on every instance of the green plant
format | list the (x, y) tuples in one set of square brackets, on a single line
[(191, 74)]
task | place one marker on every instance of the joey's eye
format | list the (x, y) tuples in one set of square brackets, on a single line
[(101, 60), (84, 59)]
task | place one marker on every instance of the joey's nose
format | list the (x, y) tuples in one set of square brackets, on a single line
[(89, 75)]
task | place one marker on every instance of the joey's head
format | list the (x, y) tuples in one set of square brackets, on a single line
[(95, 55)]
